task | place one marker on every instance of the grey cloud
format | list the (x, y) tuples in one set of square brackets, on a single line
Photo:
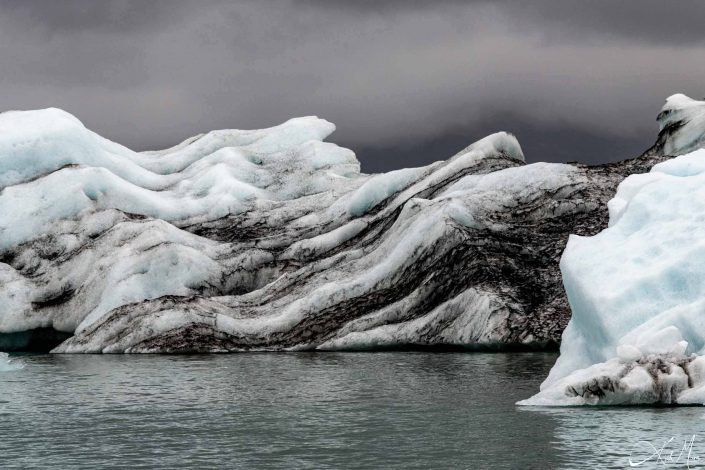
[(402, 80), (107, 17), (646, 21), (540, 142), (652, 21)]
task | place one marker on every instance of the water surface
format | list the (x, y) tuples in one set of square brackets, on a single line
[(315, 410)]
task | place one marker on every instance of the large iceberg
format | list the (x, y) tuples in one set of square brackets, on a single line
[(273, 239), (637, 289)]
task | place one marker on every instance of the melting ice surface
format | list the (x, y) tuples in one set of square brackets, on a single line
[(637, 293)]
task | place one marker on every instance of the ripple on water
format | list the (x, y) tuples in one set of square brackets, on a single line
[(310, 410)]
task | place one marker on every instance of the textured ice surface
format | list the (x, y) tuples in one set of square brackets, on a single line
[(109, 216), (681, 121), (272, 239), (637, 289)]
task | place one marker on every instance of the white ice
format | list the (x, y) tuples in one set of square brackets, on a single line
[(53, 168), (84, 215), (63, 183), (637, 294)]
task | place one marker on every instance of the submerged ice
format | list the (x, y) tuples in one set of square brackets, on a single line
[(637, 289)]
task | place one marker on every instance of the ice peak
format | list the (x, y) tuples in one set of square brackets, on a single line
[(499, 142), (681, 125)]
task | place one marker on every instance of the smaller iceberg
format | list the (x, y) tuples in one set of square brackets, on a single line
[(637, 289), (7, 364)]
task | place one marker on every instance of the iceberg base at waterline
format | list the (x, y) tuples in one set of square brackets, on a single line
[(657, 373)]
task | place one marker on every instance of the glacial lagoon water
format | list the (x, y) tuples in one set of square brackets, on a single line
[(320, 410)]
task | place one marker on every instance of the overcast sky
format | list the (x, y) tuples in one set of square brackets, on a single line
[(406, 82)]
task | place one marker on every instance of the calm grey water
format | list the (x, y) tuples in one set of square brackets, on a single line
[(311, 410)]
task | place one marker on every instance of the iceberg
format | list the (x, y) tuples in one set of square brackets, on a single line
[(637, 289), (273, 239)]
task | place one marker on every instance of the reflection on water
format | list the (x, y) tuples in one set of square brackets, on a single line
[(310, 410)]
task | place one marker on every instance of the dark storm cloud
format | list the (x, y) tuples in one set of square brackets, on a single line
[(405, 81), (645, 21), (547, 142), (653, 21)]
